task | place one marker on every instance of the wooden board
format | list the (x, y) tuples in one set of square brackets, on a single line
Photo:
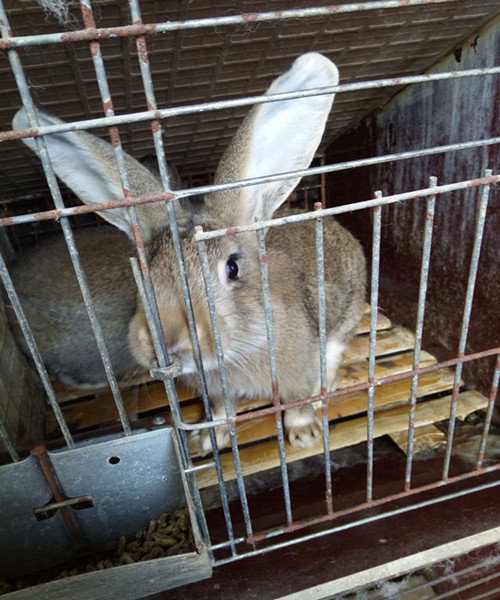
[(265, 455)]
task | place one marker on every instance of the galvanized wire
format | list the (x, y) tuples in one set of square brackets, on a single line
[(231, 20), (66, 228), (424, 275), (156, 129), (35, 353), (229, 409), (320, 265), (489, 414), (471, 284), (266, 293), (375, 270), (165, 113)]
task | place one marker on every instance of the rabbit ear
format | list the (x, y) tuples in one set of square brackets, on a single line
[(278, 137), (87, 165)]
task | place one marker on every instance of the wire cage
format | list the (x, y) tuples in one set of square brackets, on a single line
[(399, 490)]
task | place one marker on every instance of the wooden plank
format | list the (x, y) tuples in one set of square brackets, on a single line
[(352, 404), (265, 455), (389, 341), (349, 375), (426, 438)]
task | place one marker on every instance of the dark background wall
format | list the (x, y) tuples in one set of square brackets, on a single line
[(423, 116)]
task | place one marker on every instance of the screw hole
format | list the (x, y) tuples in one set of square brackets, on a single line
[(114, 460)]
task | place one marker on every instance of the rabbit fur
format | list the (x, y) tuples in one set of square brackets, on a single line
[(275, 137), (43, 275)]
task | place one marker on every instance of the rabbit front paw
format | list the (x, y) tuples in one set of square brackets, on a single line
[(303, 427), (202, 439)]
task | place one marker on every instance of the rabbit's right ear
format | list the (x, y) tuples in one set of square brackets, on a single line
[(276, 137), (87, 165)]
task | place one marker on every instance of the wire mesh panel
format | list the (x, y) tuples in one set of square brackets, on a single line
[(241, 313)]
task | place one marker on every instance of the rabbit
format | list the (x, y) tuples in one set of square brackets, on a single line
[(43, 275), (275, 137)]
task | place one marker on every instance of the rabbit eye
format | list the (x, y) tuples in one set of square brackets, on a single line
[(232, 269)]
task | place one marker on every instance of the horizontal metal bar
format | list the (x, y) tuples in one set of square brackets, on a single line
[(167, 196), (150, 115), (367, 520), (360, 387), (242, 19), (202, 467), (382, 201)]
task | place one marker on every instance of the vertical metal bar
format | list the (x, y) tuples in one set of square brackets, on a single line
[(24, 92), (202, 250), (35, 353), (40, 452), (320, 261), (489, 414), (377, 226), (278, 415), (4, 436), (476, 250), (424, 275), (183, 448), (156, 129)]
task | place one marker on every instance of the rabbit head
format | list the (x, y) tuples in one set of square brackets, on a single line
[(275, 137)]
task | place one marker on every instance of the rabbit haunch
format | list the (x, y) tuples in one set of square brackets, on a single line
[(276, 137)]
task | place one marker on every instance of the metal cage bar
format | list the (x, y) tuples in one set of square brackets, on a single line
[(166, 370)]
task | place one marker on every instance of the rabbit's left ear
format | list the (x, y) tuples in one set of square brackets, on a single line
[(279, 137)]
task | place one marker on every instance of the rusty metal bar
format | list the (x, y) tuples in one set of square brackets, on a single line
[(422, 294), (138, 29), (320, 265), (354, 510), (165, 113), (156, 129), (40, 452), (167, 196), (337, 210), (266, 292), (229, 409), (471, 283), (360, 387), (489, 414)]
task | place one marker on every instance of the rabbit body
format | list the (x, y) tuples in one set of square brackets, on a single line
[(48, 289)]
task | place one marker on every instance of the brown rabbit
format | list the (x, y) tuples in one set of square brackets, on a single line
[(275, 137)]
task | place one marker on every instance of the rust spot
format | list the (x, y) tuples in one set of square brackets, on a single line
[(250, 17), (263, 260), (143, 51), (7, 221), (87, 16), (232, 230), (114, 135), (6, 136), (155, 126)]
